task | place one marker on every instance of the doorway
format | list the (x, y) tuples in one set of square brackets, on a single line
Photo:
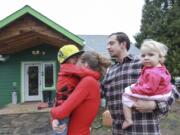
[(32, 82)]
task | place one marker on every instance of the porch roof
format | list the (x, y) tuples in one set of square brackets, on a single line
[(14, 39)]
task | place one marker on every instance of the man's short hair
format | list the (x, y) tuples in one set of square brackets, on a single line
[(122, 37)]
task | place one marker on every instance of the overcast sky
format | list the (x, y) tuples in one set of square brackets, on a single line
[(85, 17)]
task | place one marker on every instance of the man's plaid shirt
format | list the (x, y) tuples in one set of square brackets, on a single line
[(118, 77)]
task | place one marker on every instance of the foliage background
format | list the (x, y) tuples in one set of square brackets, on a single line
[(161, 22)]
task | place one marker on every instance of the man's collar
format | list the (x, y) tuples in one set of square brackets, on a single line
[(129, 57)]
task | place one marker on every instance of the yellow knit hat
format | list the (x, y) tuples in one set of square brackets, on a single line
[(66, 52)]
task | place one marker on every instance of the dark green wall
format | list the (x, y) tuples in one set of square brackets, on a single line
[(10, 71)]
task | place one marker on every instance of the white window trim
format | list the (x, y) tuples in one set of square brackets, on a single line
[(22, 76)]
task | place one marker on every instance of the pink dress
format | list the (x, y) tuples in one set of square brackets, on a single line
[(153, 84)]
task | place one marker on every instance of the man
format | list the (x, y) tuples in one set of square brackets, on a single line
[(123, 73)]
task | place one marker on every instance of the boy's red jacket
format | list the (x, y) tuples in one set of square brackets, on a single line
[(68, 77)]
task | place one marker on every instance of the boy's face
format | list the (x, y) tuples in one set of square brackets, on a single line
[(81, 62), (73, 59)]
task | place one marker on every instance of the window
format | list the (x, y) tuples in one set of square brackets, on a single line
[(49, 76)]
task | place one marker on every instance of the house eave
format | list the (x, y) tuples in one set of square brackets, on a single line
[(28, 10)]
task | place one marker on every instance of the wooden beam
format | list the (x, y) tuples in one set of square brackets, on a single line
[(18, 37), (11, 50), (30, 39), (52, 40), (19, 45)]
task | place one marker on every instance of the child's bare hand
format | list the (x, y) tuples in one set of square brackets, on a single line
[(60, 128), (55, 123)]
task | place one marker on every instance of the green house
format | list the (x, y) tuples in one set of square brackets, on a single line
[(29, 43)]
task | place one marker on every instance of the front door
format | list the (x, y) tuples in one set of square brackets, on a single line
[(32, 82)]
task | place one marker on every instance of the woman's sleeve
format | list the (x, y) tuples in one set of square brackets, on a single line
[(79, 94)]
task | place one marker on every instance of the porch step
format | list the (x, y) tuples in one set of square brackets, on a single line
[(29, 107)]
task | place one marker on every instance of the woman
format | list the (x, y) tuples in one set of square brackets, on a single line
[(83, 104)]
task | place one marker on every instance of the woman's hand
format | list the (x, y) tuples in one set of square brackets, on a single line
[(145, 106)]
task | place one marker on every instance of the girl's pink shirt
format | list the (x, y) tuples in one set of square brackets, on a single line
[(153, 81)]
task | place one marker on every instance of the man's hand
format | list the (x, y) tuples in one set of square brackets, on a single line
[(145, 106)]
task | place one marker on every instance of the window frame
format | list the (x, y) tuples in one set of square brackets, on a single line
[(54, 76)]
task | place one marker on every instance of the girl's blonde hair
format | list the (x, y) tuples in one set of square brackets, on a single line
[(96, 61), (155, 46)]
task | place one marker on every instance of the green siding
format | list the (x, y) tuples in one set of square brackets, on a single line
[(8, 74), (11, 70)]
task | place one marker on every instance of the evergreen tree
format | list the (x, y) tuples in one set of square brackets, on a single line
[(161, 22)]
